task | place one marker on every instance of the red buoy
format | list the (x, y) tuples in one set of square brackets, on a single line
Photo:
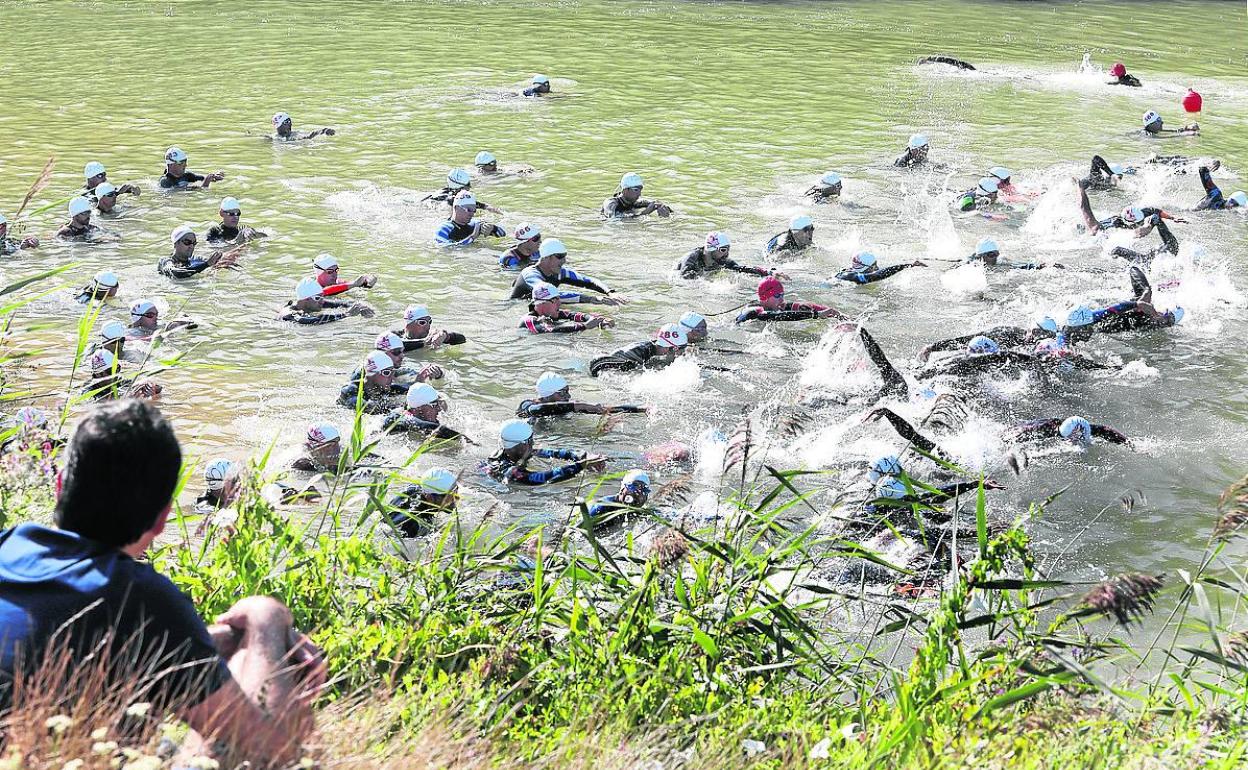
[(1193, 101)]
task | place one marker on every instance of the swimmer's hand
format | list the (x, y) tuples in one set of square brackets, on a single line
[(599, 322), (594, 463), (918, 263), (215, 176), (129, 189), (328, 131), (436, 339), (845, 328), (430, 372), (362, 310), (367, 281), (833, 313), (776, 273), (30, 243), (612, 301), (146, 389), (223, 259), (993, 484)]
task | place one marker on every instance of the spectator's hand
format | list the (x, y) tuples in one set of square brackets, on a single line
[(430, 372)]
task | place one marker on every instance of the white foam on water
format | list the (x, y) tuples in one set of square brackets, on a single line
[(681, 376), (1138, 370), (838, 366), (965, 280)]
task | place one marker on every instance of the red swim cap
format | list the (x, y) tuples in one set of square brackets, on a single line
[(1118, 70), (770, 287)]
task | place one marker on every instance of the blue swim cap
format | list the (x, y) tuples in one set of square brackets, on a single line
[(890, 488), (982, 344), (882, 467), (1178, 314), (1048, 324), (1076, 429), (1080, 316)]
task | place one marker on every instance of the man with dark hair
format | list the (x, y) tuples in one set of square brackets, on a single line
[(80, 589)]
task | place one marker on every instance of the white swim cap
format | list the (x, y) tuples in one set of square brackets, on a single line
[(438, 481), (1151, 117), (79, 206), (631, 179), (552, 247), (1133, 215), (230, 204), (635, 476), (1079, 316), (180, 232), (94, 168), (105, 279), (716, 240), (917, 141), (217, 472), (988, 185), (416, 312), (890, 488), (324, 262), (540, 80), (485, 157), (113, 330), (527, 232), (422, 394), (549, 384), (515, 432), (692, 320), (1116, 169), (830, 179), (105, 189), (457, 177), (1076, 429), (3, 219), (32, 417), (322, 433), (279, 118), (986, 246), (1047, 323), (174, 155), (982, 344), (1239, 198), (672, 336), (863, 259), (376, 362), (466, 200), (887, 465), (544, 292), (1000, 173), (307, 289), (389, 341), (800, 222), (142, 307), (100, 361), (1178, 314)]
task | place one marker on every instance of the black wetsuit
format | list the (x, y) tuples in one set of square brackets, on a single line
[(376, 400), (627, 359), (522, 287), (894, 383), (567, 322), (403, 421), (1048, 428), (1213, 200), (1169, 245), (823, 194), (947, 60), (172, 267), (1126, 316), (501, 468), (1100, 175), (531, 409), (447, 195), (511, 259), (223, 233), (789, 311), (910, 434), (910, 158), (1126, 79), (409, 344), (616, 206), (412, 515), (782, 242), (1006, 336), (870, 276), (75, 232), (694, 264), (9, 246), (168, 182), (331, 310)]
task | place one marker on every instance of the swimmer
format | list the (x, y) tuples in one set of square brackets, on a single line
[(1131, 315), (1103, 175), (1140, 220), (106, 198), (176, 177), (106, 382), (694, 327), (463, 228), (526, 251), (988, 253), (1213, 200), (909, 433), (13, 245), (221, 486), (713, 256), (457, 181), (1010, 336), (983, 355), (1154, 126), (627, 202), (417, 506), (952, 62), (554, 398), (113, 336), (79, 226), (104, 285), (1077, 430), (1121, 77), (826, 190), (418, 334), (487, 165), (630, 500), (983, 195), (392, 345), (546, 317), (887, 472), (1181, 164), (322, 451), (184, 264), (668, 343), (96, 175), (772, 307), (284, 130), (510, 462), (865, 268), (229, 230), (801, 234), (538, 86), (310, 308), (422, 411), (915, 154), (550, 269), (145, 321), (326, 266), (372, 388)]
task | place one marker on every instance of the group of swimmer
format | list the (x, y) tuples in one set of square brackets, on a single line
[(395, 379)]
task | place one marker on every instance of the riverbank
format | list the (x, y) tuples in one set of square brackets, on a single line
[(705, 647)]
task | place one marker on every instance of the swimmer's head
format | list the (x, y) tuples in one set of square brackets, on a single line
[(545, 299), (987, 250), (515, 433), (113, 336), (1133, 215), (1152, 122), (424, 399), (884, 466), (325, 263), (94, 173), (630, 186), (1238, 200), (485, 161), (392, 344), (1001, 174), (528, 232), (1054, 346), (438, 482), (175, 161), (801, 222), (1178, 313), (864, 261), (379, 368), (987, 187), (830, 183), (541, 83), (551, 384), (918, 142), (981, 344), (100, 362), (104, 284), (1076, 430), (694, 325), (770, 293), (1118, 70), (106, 196), (309, 293), (230, 210), (1078, 316), (218, 472), (553, 253), (320, 434), (465, 206), (890, 488), (718, 242), (458, 179), (1117, 169), (1047, 324), (80, 211), (281, 123), (671, 337), (183, 239), (635, 488), (144, 313)]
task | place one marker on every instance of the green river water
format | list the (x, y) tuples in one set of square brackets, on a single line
[(729, 110)]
